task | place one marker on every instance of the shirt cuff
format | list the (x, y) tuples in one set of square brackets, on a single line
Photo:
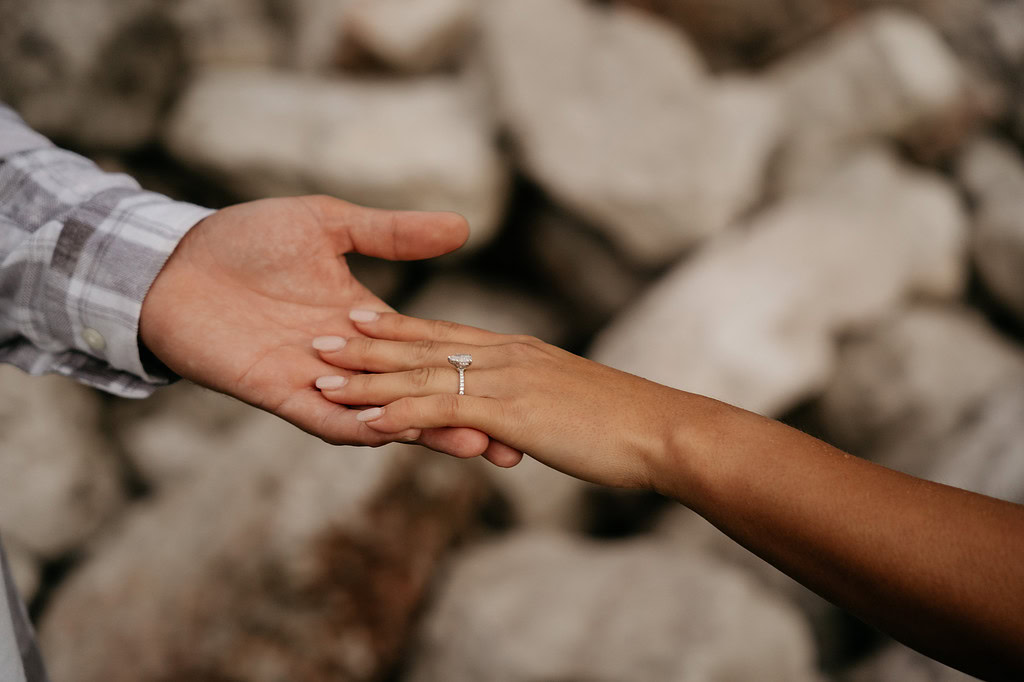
[(119, 254)]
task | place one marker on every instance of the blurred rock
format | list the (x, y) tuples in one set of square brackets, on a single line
[(686, 531), (385, 278), (24, 568), (179, 432), (288, 559), (935, 393), (97, 73), (540, 497), (989, 36), (897, 662), (302, 34), (60, 479), (753, 318), (411, 35), (583, 267), (887, 75), (611, 113), (749, 32), (422, 145), (538, 607), (494, 307), (993, 173)]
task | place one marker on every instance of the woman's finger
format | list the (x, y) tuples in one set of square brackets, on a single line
[(381, 389), (378, 355), (397, 327), (445, 409)]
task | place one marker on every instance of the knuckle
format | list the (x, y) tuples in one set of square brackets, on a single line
[(428, 351), (528, 340), (521, 350), (421, 377), (448, 403), (445, 329)]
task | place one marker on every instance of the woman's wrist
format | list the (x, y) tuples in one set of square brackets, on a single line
[(687, 465)]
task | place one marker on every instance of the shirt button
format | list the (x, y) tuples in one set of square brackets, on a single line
[(94, 339)]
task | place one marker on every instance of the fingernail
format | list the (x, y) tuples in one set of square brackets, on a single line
[(329, 344), (331, 383), (363, 316), (411, 437), (370, 414)]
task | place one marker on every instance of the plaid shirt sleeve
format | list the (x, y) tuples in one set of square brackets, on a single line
[(79, 250)]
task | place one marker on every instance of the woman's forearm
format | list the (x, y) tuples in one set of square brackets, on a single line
[(939, 568)]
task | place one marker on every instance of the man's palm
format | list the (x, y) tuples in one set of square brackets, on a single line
[(248, 289)]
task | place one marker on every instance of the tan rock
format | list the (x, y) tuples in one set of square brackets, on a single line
[(611, 112), (753, 319), (61, 481), (888, 75), (411, 35), (539, 606), (424, 145), (288, 559), (934, 392), (993, 173)]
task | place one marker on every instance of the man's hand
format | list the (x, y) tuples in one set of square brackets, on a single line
[(240, 300)]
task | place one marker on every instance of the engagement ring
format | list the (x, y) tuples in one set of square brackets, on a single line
[(461, 362)]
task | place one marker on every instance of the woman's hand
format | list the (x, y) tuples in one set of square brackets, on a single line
[(577, 416)]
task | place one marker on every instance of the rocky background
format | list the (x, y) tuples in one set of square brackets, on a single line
[(810, 208)]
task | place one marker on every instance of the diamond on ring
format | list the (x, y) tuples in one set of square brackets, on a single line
[(460, 362)]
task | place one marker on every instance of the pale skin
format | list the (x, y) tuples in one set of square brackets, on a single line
[(938, 568), (236, 304)]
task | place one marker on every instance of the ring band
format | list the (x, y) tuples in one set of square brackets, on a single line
[(460, 362)]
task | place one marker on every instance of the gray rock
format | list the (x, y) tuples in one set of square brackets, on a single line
[(424, 145), (897, 662), (24, 568), (539, 607), (493, 307), (886, 75), (287, 559), (61, 481), (993, 173), (95, 72), (301, 34), (584, 268), (179, 432), (748, 32), (753, 318), (411, 35), (686, 531), (935, 393), (611, 112)]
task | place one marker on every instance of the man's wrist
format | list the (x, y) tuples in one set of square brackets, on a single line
[(132, 244)]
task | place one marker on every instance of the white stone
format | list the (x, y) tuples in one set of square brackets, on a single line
[(96, 72), (993, 173), (611, 112), (287, 559), (487, 305), (411, 35), (423, 145), (303, 34), (535, 607), (24, 568), (180, 432), (60, 479), (936, 393), (753, 318), (888, 74)]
